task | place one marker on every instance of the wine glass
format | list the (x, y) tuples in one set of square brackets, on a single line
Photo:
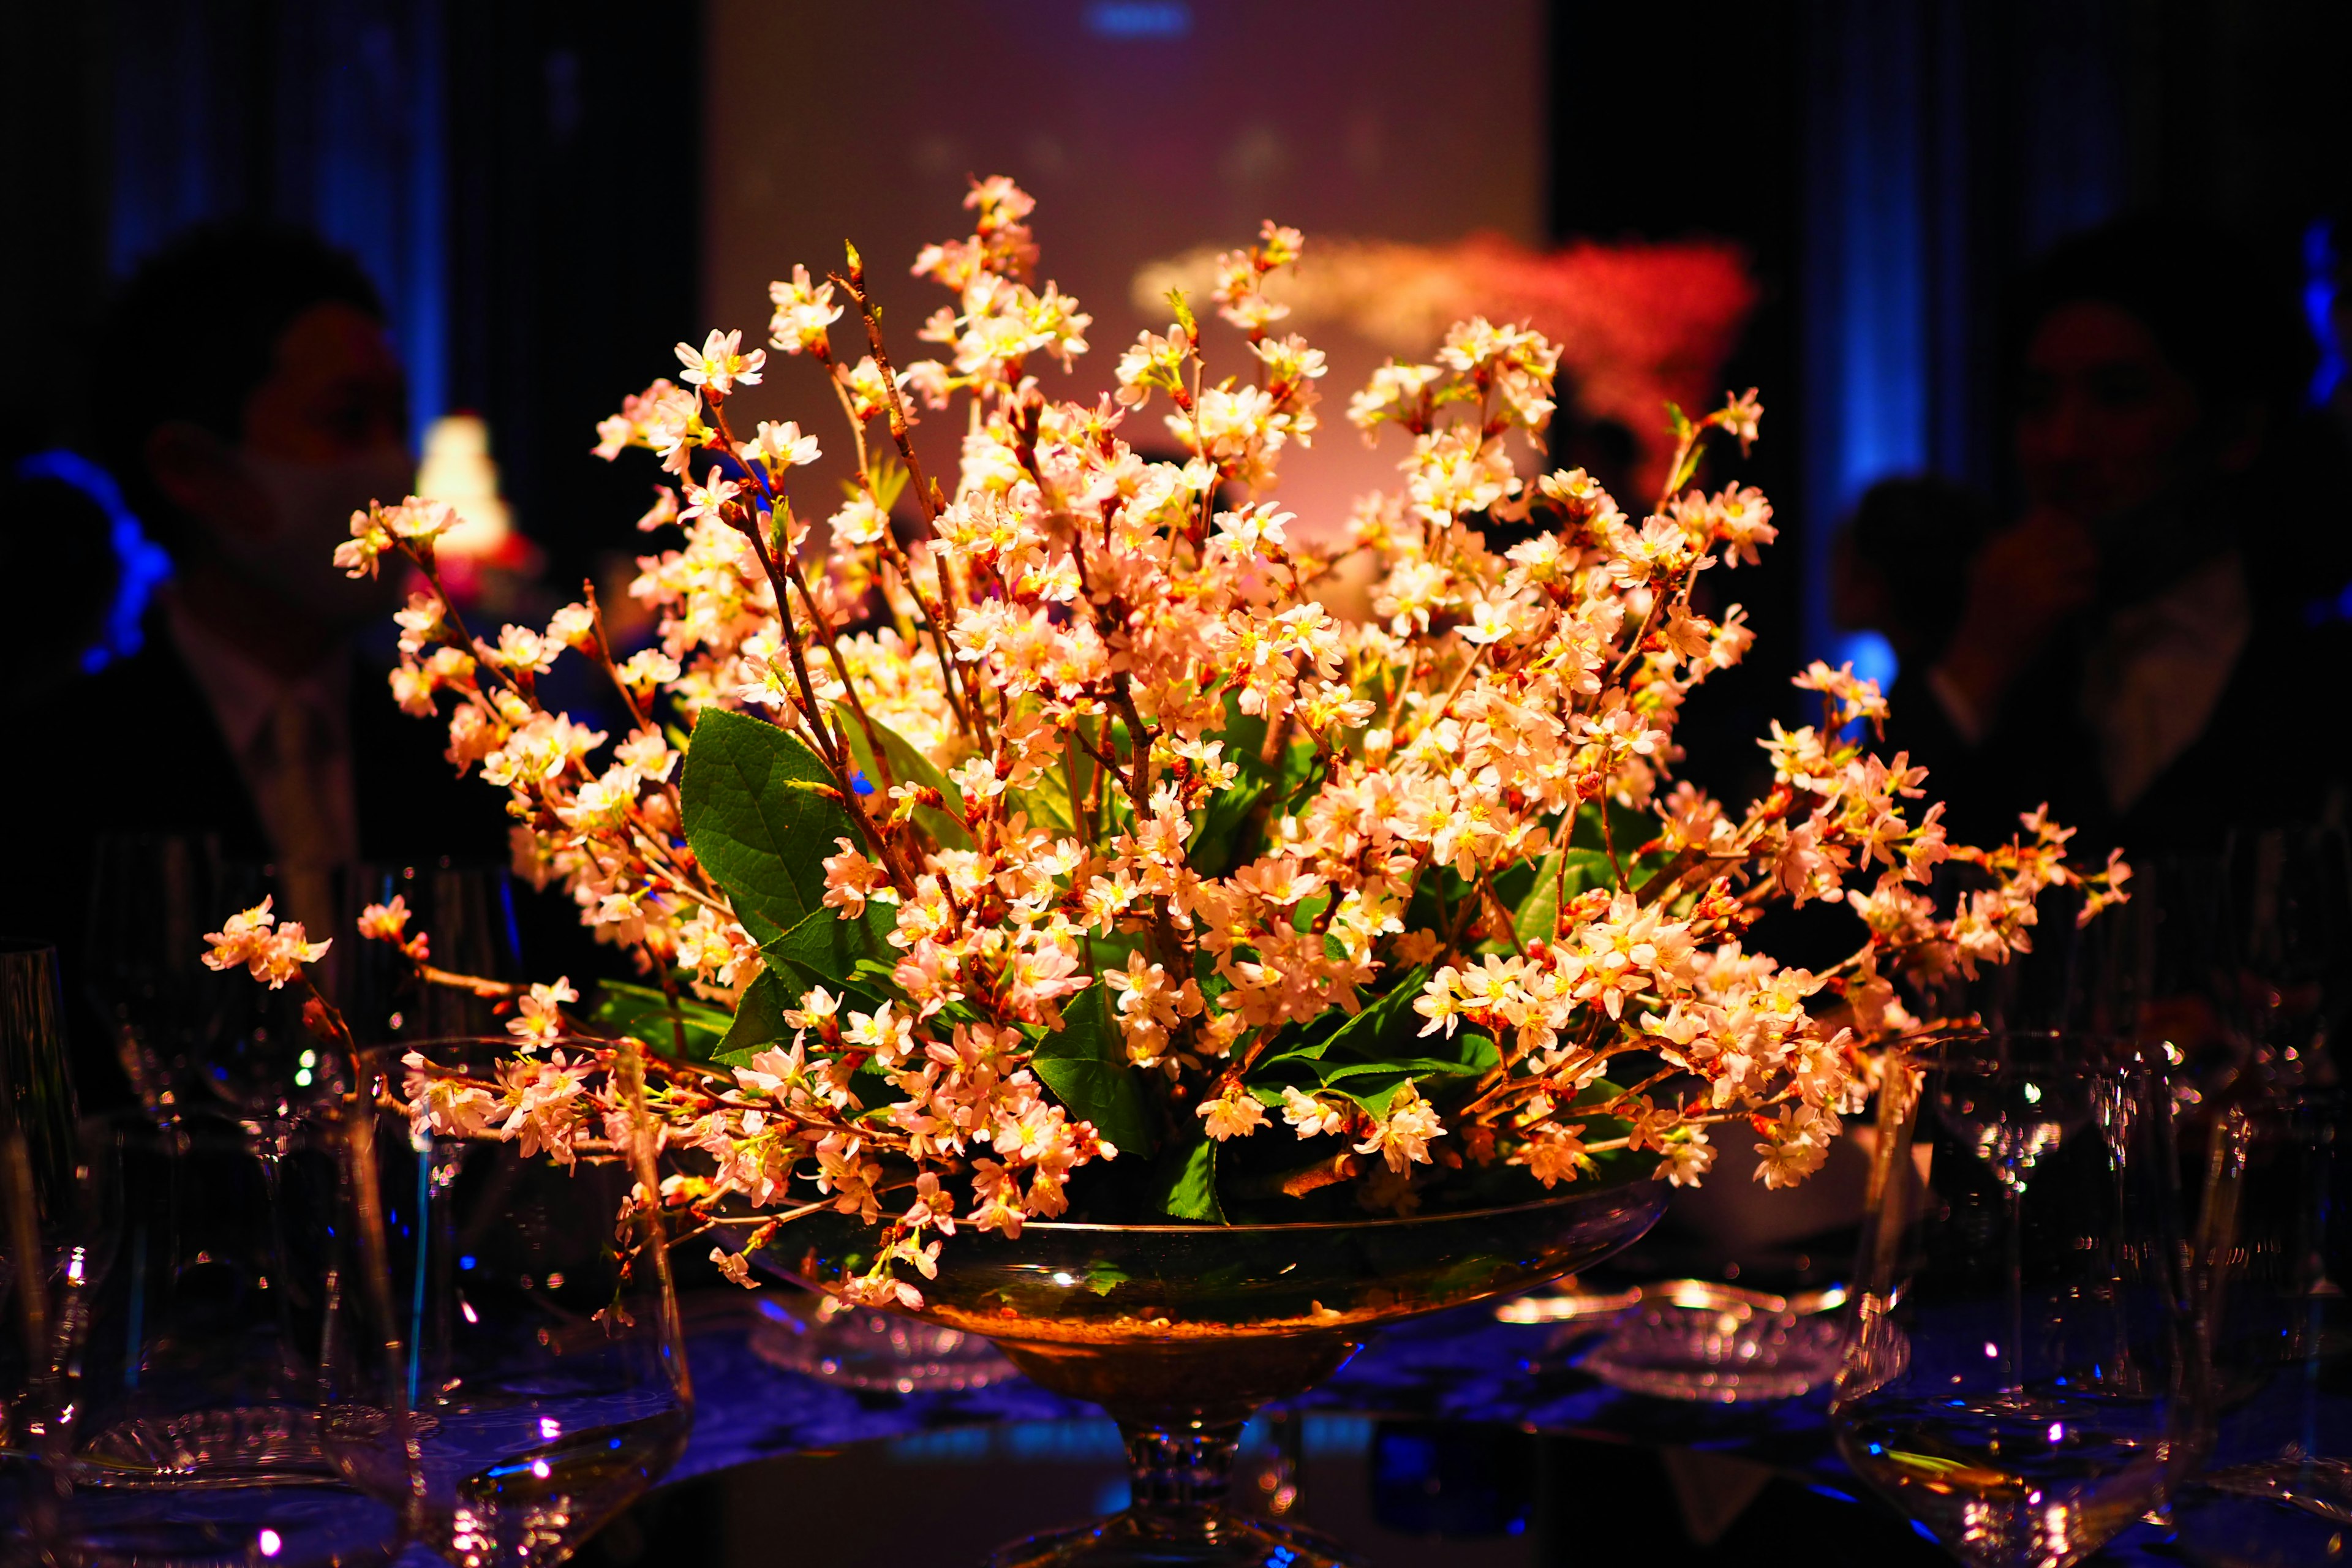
[(2271, 1244), (187, 1035), (538, 1382), (37, 1146), (2289, 979), (2018, 1376), (469, 914), (176, 1411)]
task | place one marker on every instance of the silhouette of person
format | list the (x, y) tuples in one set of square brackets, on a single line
[(259, 403), (1900, 567), (2134, 648)]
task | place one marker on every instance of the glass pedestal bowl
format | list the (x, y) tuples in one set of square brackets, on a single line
[(1181, 1331)]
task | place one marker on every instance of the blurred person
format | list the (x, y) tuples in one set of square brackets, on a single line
[(1900, 567), (261, 404), (2136, 649)]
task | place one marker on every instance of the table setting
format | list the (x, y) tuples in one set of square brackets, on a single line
[(1100, 1061)]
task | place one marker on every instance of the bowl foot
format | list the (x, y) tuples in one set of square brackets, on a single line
[(1215, 1541), (1179, 1474)]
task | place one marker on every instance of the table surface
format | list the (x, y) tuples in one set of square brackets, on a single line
[(1454, 1441)]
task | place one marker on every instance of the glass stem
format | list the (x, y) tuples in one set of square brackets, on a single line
[(1180, 1476), (2013, 1349)]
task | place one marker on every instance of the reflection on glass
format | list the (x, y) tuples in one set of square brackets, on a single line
[(539, 1376), (189, 1038), (2018, 1375), (2273, 1241), (177, 1421)]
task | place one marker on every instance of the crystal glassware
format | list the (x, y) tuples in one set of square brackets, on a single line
[(178, 1407), (2020, 1376), (38, 1147), (865, 1347), (1181, 1331), (537, 1380), (1718, 1353), (467, 912), (36, 1091), (2288, 978), (2272, 1245), (186, 1036)]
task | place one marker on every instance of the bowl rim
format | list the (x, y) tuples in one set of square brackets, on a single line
[(1292, 1227)]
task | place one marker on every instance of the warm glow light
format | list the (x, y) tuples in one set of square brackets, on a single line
[(457, 468)]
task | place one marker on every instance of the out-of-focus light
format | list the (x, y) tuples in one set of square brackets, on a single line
[(141, 564), (457, 470), (1873, 658), (1140, 18), (272, 1543), (2319, 296)]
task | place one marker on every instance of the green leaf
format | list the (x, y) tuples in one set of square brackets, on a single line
[(1102, 1279), (1418, 1066), (1628, 830), (759, 1016), (1219, 842), (1374, 1090), (907, 765), (1300, 774), (1538, 915), (889, 483), (642, 1011), (1184, 1183), (1046, 802), (1473, 1049), (762, 815), (1085, 1063), (1364, 1034), (823, 949), (1216, 843), (1513, 882)]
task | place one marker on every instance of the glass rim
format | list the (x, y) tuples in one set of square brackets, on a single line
[(197, 1120), (1998, 1054), (2100, 1047)]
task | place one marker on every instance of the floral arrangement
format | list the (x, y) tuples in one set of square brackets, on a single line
[(1053, 851)]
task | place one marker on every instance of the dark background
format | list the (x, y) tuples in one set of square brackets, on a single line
[(523, 179)]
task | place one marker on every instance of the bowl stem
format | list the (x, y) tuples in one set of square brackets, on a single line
[(1178, 1475)]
